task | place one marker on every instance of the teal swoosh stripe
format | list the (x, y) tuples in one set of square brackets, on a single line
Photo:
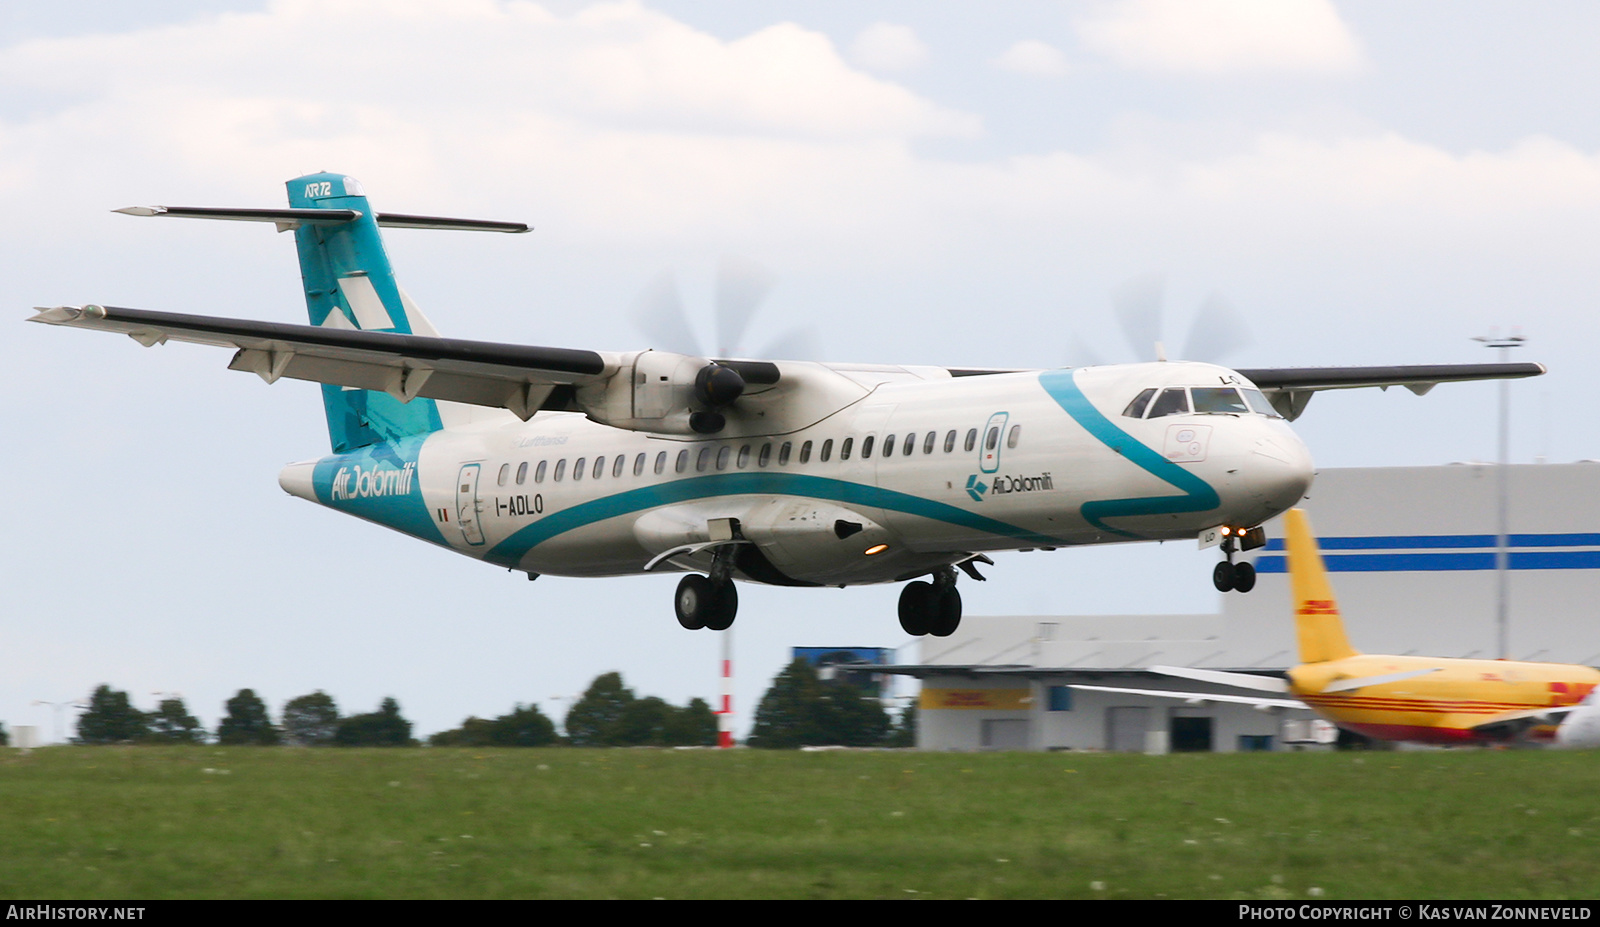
[(510, 551), (1198, 496)]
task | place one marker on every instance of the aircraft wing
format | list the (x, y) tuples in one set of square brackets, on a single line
[(1290, 388), (1514, 725), (1237, 680), (1203, 697), (522, 378)]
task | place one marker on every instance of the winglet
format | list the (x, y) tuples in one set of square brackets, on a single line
[(1316, 613)]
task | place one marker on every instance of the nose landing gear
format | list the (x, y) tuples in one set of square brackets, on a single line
[(1237, 577), (931, 608), (1234, 577)]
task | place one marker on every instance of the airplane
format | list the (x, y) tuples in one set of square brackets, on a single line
[(1432, 700), (587, 463)]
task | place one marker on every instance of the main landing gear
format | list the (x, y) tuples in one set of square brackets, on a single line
[(709, 601), (931, 608), (703, 603)]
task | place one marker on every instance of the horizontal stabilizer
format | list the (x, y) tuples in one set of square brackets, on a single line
[(288, 219), (398, 221)]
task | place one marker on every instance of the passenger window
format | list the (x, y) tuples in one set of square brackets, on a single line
[(561, 469), (522, 473), (1218, 400), (927, 443), (1136, 408), (505, 473), (783, 452), (538, 472), (991, 439), (844, 449), (1011, 439), (722, 456), (1172, 401), (599, 467), (950, 441), (683, 461), (661, 463), (765, 457), (972, 439), (638, 465), (578, 467), (866, 446), (704, 460), (622, 461), (911, 444), (888, 447)]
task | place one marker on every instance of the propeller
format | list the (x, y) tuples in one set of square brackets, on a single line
[(1216, 331), (742, 286)]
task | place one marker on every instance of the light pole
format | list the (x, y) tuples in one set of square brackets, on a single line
[(61, 708), (1502, 546)]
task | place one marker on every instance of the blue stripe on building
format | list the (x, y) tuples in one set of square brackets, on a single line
[(1448, 541), (1441, 562)]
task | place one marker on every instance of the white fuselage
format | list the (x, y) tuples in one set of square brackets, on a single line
[(913, 475)]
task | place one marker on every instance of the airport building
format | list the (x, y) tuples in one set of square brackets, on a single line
[(1412, 552)]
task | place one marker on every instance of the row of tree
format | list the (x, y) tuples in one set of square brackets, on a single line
[(799, 710), (310, 720)]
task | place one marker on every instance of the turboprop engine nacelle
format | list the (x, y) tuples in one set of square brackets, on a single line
[(664, 392)]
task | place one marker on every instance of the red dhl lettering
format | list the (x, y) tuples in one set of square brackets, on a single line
[(966, 699), (1317, 607)]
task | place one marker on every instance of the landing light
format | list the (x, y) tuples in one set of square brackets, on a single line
[(876, 549)]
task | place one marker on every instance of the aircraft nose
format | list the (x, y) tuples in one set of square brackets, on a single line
[(1283, 471)]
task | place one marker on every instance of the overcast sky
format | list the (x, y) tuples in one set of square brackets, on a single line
[(930, 182)]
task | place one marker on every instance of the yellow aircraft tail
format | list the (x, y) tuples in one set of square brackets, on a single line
[(1316, 613)]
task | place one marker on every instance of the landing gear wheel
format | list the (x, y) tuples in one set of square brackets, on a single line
[(947, 616), (1244, 577), (1225, 576), (703, 603), (918, 602), (695, 593), (727, 606)]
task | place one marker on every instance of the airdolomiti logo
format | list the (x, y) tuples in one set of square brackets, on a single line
[(1002, 484), (356, 483)]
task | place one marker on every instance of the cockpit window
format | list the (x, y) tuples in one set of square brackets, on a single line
[(1259, 403), (1136, 408), (1172, 401), (1218, 400)]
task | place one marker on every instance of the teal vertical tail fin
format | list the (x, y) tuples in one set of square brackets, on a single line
[(350, 284)]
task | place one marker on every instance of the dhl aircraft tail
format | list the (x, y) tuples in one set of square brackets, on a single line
[(1316, 613)]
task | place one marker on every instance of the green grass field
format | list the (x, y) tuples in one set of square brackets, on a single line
[(238, 822)]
